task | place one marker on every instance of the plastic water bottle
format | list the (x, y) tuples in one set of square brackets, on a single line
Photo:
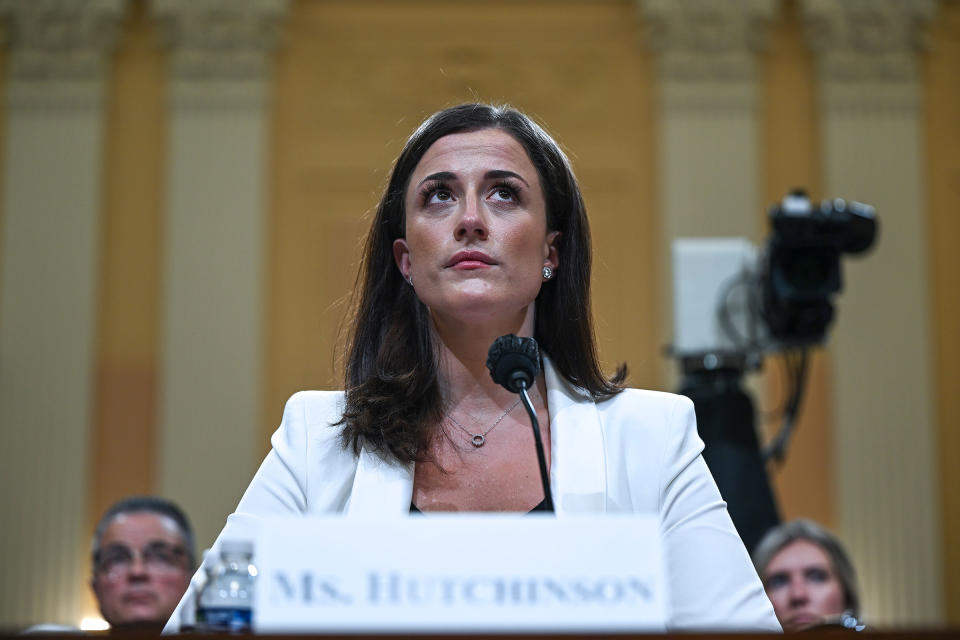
[(188, 612), (225, 604)]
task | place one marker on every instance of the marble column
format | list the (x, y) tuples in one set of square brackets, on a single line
[(885, 435), (709, 173), (52, 160), (219, 86)]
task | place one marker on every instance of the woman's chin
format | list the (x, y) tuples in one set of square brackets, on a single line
[(483, 310)]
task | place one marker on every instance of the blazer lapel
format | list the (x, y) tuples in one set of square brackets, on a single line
[(578, 466), (380, 488)]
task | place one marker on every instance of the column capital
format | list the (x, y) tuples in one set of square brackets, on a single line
[(58, 40), (220, 39), (867, 40), (706, 40)]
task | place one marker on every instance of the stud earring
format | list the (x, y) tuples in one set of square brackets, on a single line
[(409, 279), (547, 273)]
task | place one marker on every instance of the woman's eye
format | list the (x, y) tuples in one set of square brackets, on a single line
[(439, 195), (504, 194), (777, 581), (817, 575)]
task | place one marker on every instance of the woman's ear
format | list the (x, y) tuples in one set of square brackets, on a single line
[(552, 250), (401, 255)]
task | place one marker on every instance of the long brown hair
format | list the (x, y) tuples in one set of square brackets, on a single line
[(392, 391)]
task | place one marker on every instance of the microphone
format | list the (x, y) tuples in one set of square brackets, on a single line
[(514, 363)]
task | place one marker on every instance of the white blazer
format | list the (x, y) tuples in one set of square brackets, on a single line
[(637, 452)]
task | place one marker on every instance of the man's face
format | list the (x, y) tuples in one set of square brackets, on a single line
[(142, 569)]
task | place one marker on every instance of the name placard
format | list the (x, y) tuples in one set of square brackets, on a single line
[(460, 573)]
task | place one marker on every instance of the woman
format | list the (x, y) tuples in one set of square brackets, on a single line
[(482, 232), (808, 577)]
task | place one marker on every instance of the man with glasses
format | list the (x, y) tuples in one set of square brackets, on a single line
[(142, 561)]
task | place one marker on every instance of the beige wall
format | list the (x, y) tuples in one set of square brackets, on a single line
[(942, 140), (352, 79)]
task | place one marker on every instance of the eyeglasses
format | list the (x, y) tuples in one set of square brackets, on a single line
[(158, 557)]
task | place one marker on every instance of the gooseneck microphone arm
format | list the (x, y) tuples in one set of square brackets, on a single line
[(514, 364), (541, 456)]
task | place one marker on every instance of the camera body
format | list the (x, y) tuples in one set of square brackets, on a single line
[(802, 270), (734, 302)]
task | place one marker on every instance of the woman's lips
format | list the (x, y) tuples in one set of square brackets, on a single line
[(803, 620), (466, 260)]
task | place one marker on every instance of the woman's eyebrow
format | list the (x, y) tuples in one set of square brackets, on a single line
[(493, 174), (502, 173), (440, 175)]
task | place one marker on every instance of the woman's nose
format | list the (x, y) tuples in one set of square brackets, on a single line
[(472, 223), (798, 592)]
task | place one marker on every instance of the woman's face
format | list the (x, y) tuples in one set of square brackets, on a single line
[(802, 585), (476, 229)]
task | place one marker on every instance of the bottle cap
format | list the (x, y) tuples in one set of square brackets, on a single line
[(236, 546)]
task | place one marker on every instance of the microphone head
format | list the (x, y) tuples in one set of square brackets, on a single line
[(514, 362)]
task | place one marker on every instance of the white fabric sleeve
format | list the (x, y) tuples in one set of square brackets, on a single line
[(712, 582), (278, 488)]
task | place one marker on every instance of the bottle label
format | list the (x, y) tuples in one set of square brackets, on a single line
[(230, 619)]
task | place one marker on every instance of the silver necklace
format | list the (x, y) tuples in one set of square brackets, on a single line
[(480, 439)]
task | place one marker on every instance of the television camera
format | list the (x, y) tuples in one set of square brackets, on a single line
[(734, 304)]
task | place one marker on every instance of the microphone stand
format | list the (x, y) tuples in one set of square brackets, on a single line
[(541, 457)]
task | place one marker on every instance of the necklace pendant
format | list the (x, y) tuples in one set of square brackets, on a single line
[(478, 440)]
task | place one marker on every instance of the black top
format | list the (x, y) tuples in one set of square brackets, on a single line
[(541, 506)]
